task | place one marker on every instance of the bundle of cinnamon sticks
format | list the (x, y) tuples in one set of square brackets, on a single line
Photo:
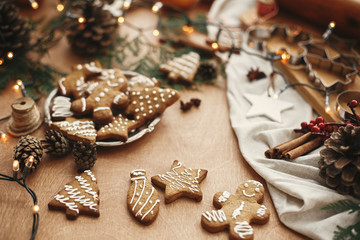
[(295, 147)]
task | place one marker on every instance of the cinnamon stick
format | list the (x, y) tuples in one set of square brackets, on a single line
[(303, 149), (278, 151)]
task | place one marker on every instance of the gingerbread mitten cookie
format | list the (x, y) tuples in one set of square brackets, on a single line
[(237, 211), (180, 181), (143, 199), (80, 196)]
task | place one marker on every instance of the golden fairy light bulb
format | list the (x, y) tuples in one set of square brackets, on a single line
[(60, 7), (34, 5), (156, 32), (19, 82), (3, 136), (332, 24), (215, 45), (338, 109), (127, 4), (1, 61), (15, 165), (81, 19), (36, 209), (156, 7), (188, 29), (327, 108), (10, 55), (121, 19), (16, 87), (31, 159), (284, 55)]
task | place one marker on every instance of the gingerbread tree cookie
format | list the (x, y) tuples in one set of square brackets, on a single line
[(102, 97), (77, 129), (146, 104), (80, 196), (143, 200), (237, 211), (182, 69), (117, 129), (180, 181)]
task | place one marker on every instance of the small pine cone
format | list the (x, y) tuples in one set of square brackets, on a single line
[(85, 155), (56, 143), (28, 146), (207, 71), (96, 33), (340, 161), (15, 31)]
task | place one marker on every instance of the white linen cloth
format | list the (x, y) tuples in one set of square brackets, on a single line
[(297, 191)]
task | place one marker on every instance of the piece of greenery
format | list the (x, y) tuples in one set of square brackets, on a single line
[(351, 232)]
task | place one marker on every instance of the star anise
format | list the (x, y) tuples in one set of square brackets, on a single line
[(188, 105), (255, 74)]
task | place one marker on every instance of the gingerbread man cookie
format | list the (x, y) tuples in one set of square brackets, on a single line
[(237, 211), (77, 129), (147, 103), (80, 196), (180, 182), (143, 200), (103, 96), (118, 129)]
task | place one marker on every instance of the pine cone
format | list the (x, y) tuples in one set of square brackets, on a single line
[(207, 71), (56, 143), (28, 146), (96, 33), (84, 155), (15, 31), (340, 161)]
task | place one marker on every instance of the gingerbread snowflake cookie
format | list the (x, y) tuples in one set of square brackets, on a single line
[(80, 196), (142, 199), (237, 211), (147, 103), (118, 129), (77, 129), (180, 181)]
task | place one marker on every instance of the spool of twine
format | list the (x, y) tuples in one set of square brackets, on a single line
[(25, 117)]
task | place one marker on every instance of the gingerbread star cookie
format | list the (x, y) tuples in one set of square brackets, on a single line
[(80, 196), (237, 211), (77, 129), (118, 129), (147, 103), (143, 200), (180, 181)]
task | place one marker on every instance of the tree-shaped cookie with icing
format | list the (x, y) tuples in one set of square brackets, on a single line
[(103, 96), (237, 211), (80, 196), (147, 103), (180, 181), (118, 129), (142, 199)]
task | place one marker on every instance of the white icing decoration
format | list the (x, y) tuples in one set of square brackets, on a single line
[(89, 173), (142, 191), (181, 180), (83, 104), (62, 87), (150, 210), (82, 181), (85, 128), (111, 84), (139, 212), (242, 229), (61, 107), (215, 216), (257, 190), (261, 211), (118, 97), (246, 185), (237, 211), (97, 99), (71, 205), (92, 68), (101, 109), (256, 183), (224, 197), (247, 195)]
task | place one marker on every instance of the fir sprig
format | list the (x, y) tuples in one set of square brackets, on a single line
[(351, 232)]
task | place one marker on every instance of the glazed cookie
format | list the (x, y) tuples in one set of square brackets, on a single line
[(103, 96), (237, 211), (60, 108), (143, 200), (77, 129), (80, 196), (180, 181), (140, 82), (146, 104), (182, 69)]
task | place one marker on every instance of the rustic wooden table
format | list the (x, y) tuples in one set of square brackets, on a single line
[(200, 138)]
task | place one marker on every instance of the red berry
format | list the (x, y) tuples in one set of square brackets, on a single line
[(311, 125), (321, 125), (348, 123), (304, 125), (329, 128), (319, 120), (353, 103), (315, 129), (312, 121)]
